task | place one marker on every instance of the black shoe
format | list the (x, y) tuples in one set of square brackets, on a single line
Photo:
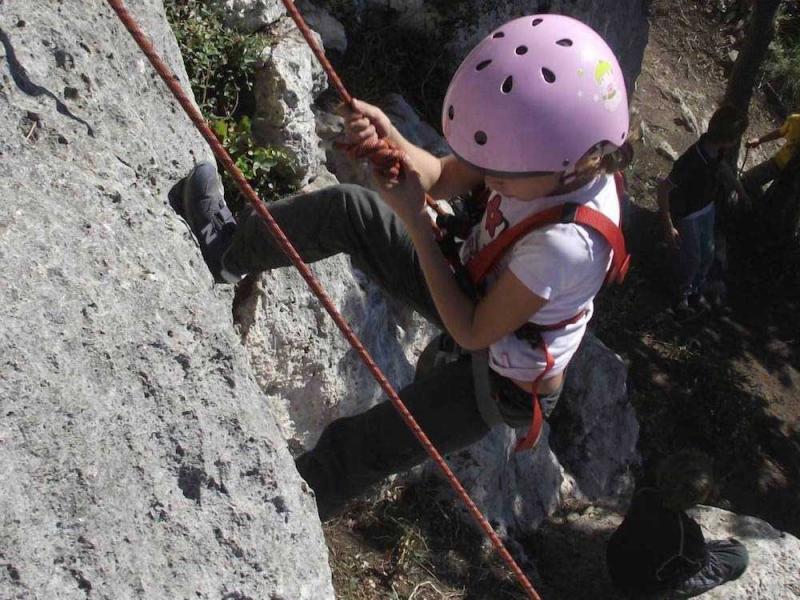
[(199, 198)]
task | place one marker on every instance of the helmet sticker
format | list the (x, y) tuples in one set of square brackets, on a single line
[(608, 94)]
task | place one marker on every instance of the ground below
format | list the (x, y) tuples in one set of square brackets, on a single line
[(724, 381)]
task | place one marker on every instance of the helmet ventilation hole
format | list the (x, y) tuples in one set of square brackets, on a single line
[(623, 135), (565, 42), (548, 75), (508, 84), (480, 138), (499, 34), (451, 112), (482, 65), (536, 22), (565, 163), (521, 50)]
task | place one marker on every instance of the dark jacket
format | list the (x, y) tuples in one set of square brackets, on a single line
[(700, 178)]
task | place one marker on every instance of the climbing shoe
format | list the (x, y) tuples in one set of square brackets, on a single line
[(200, 200)]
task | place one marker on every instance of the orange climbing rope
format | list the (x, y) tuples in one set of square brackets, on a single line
[(196, 117), (379, 151)]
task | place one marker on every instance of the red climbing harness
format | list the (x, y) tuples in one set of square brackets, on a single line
[(481, 264)]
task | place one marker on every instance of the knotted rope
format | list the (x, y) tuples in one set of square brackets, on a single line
[(171, 80)]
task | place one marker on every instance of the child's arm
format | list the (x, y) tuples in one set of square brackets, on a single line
[(508, 305), (775, 134), (444, 177), (670, 232)]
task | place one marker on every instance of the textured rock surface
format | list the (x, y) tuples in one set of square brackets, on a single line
[(774, 571), (285, 88), (321, 21), (595, 430), (251, 15), (137, 455), (305, 366)]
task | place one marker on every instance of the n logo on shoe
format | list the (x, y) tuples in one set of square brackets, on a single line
[(209, 235)]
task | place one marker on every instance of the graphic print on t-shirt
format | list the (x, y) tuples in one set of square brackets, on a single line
[(494, 216)]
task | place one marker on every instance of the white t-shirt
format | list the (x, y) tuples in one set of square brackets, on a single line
[(564, 263)]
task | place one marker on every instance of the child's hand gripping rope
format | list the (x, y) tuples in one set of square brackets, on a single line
[(403, 193), (369, 133)]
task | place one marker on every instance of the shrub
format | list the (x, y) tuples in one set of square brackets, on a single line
[(221, 64), (783, 64)]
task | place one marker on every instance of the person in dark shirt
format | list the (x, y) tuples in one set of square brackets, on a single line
[(659, 551), (687, 197)]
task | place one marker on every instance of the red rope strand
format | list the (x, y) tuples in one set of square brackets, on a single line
[(171, 80), (384, 156)]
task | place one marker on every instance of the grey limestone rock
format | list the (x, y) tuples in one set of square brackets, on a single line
[(138, 458), (329, 29), (302, 362), (251, 15), (774, 569), (286, 85)]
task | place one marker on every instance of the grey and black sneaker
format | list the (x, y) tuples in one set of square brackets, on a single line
[(199, 198)]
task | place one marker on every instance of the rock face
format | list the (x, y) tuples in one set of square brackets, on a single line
[(303, 363), (138, 456), (251, 15), (773, 573), (285, 87), (595, 430)]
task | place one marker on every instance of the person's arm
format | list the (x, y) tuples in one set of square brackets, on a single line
[(444, 177), (731, 181), (507, 306), (670, 232), (775, 134)]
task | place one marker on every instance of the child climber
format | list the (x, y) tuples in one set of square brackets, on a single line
[(530, 114), (659, 551)]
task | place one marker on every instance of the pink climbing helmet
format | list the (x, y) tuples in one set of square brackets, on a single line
[(535, 96)]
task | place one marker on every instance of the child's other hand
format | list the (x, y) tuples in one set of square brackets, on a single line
[(404, 193), (363, 121), (753, 143)]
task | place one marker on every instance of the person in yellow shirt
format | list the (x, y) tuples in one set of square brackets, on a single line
[(754, 179)]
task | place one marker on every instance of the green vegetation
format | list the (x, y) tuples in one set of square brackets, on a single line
[(783, 65), (221, 65)]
